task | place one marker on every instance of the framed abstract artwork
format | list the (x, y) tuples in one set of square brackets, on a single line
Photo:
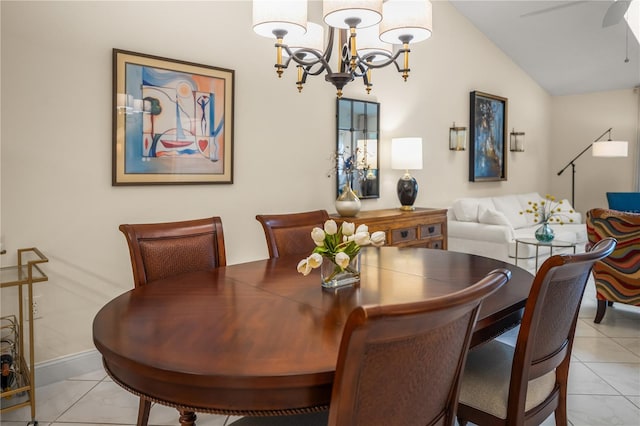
[(488, 125), (172, 121)]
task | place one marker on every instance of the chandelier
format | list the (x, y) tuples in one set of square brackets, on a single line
[(366, 33)]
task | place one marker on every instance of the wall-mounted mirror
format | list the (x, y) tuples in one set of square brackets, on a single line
[(358, 130)]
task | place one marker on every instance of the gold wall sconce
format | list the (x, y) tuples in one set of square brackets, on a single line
[(516, 143), (457, 138)]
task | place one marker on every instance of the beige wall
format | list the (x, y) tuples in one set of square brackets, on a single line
[(56, 138), (576, 122)]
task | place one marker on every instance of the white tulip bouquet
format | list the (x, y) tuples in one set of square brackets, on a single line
[(339, 245)]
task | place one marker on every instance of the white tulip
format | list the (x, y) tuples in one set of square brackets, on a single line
[(377, 238), (348, 228), (314, 260), (362, 238), (317, 235), (362, 228), (330, 227), (342, 259), (304, 267)]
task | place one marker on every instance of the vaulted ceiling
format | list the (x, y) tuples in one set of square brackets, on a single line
[(560, 44)]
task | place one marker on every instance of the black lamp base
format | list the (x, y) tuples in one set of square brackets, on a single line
[(407, 191)]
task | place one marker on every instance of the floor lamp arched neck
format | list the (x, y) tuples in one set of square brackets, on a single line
[(608, 148), (406, 154)]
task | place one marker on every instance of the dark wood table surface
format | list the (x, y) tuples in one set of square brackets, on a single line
[(259, 338)]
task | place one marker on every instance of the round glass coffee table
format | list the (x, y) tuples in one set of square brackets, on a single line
[(551, 245)]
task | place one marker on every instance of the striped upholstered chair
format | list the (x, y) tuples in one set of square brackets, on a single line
[(617, 278)]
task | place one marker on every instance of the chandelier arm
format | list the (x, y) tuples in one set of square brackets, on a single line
[(391, 59), (319, 59)]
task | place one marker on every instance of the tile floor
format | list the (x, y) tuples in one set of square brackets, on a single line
[(604, 383)]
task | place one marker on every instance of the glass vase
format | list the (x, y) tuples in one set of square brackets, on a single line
[(348, 203), (545, 234), (333, 276)]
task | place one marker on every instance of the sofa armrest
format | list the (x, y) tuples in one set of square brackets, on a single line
[(480, 231)]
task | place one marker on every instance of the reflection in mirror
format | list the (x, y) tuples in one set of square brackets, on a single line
[(357, 147)]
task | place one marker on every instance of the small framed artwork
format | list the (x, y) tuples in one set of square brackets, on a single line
[(172, 121), (488, 123)]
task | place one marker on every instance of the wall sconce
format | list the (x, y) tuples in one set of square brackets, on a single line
[(457, 138), (517, 141)]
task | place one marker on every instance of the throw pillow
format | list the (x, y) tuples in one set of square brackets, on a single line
[(492, 217), (466, 209)]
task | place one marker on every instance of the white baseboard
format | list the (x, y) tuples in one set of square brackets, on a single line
[(67, 367)]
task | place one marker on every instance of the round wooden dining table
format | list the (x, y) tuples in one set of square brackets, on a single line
[(259, 338)]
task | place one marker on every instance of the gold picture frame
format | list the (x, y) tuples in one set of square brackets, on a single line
[(172, 121)]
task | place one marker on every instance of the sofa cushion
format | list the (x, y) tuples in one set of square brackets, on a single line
[(466, 209), (509, 205), (526, 203), (492, 216), (567, 214)]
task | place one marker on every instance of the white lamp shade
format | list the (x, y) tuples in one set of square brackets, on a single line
[(368, 41), (406, 18), (406, 153), (313, 39), (336, 12), (279, 15), (610, 149)]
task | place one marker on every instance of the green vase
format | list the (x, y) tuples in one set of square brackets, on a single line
[(545, 234)]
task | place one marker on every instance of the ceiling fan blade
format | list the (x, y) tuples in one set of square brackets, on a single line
[(615, 13), (552, 8)]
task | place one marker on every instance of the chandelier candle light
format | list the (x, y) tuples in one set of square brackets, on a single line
[(366, 31)]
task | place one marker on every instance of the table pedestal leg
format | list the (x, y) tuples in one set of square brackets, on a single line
[(187, 418), (143, 412)]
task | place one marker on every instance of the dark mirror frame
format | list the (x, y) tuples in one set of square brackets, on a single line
[(357, 143)]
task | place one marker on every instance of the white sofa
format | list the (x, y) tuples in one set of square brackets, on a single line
[(489, 226)]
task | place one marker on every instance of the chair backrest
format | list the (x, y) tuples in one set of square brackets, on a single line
[(617, 276), (624, 201), (291, 233), (548, 324), (160, 250), (401, 364)]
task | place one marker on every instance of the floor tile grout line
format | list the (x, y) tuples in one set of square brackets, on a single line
[(77, 399)]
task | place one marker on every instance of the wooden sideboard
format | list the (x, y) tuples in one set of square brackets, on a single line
[(422, 227)]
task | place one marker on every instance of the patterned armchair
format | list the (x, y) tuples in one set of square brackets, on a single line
[(617, 277)]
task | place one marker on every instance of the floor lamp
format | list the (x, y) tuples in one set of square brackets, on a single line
[(606, 148)]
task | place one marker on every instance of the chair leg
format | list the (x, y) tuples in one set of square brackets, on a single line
[(143, 412), (187, 418), (602, 307)]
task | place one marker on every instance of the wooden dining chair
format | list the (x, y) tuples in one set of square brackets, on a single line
[(400, 364), (291, 233), (160, 250), (525, 384)]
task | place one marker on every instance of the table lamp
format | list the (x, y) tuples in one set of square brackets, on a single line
[(406, 154)]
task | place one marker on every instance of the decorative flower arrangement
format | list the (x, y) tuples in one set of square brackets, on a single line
[(338, 245), (548, 210), (348, 163)]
